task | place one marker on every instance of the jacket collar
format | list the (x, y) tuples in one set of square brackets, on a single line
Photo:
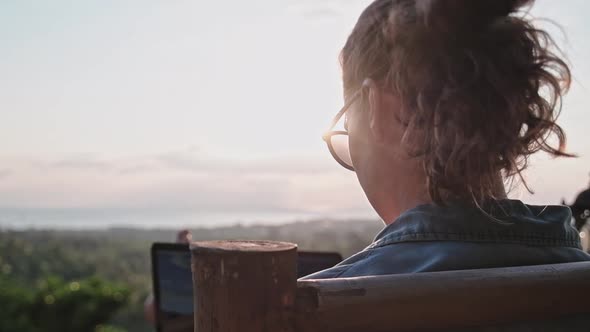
[(503, 221)]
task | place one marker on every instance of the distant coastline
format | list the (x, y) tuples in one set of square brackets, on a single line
[(105, 219)]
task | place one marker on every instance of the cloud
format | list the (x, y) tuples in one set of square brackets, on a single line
[(210, 194), (198, 179), (319, 12), (141, 168), (197, 182), (83, 162), (183, 179), (318, 9), (279, 165), (191, 160), (5, 173)]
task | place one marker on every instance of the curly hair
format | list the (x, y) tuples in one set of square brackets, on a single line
[(480, 87)]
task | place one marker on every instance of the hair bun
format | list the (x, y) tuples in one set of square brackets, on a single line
[(456, 15)]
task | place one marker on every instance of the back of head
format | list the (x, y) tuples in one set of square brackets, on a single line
[(480, 87)]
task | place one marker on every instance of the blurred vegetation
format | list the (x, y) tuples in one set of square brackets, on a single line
[(74, 281), (55, 305)]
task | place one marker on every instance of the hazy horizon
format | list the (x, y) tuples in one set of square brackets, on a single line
[(214, 108), (102, 219)]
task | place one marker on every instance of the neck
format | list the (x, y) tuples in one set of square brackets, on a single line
[(394, 194), (405, 202), (400, 193)]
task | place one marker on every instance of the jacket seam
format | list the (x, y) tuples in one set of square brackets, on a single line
[(368, 254), (475, 237)]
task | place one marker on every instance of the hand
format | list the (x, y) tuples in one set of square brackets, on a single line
[(184, 236)]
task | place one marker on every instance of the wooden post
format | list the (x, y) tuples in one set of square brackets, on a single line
[(244, 286)]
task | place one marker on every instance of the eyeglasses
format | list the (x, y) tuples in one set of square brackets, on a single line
[(337, 140)]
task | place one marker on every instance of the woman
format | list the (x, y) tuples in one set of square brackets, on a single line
[(445, 102)]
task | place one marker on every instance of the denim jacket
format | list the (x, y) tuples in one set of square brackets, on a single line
[(432, 238)]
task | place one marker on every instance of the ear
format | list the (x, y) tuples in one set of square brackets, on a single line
[(376, 110)]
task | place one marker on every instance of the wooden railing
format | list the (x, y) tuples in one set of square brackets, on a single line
[(252, 287)]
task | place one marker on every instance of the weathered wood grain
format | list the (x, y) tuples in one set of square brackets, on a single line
[(244, 286)]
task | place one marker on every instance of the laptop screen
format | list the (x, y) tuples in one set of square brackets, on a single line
[(176, 282), (173, 283)]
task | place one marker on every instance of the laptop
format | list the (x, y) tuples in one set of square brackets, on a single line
[(173, 282)]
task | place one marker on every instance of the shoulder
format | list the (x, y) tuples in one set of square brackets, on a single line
[(342, 269), (390, 259)]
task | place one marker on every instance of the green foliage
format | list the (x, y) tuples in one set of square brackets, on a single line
[(15, 304), (108, 328), (120, 256), (31, 256), (55, 305), (86, 304)]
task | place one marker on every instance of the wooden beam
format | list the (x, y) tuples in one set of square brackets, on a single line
[(442, 299)]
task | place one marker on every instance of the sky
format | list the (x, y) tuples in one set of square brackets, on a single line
[(215, 107)]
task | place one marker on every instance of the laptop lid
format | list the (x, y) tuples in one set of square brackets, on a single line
[(173, 284)]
